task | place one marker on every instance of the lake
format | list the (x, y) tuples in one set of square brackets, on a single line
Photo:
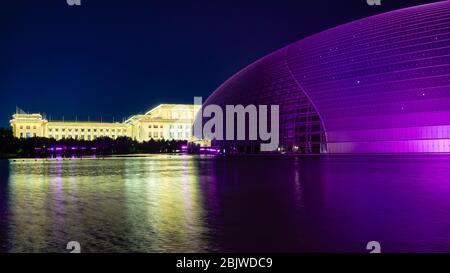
[(192, 203)]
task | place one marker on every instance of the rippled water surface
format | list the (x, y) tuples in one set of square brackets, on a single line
[(182, 203)]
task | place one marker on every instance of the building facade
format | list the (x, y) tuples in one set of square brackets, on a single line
[(376, 85), (166, 121)]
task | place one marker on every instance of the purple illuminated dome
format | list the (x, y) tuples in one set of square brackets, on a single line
[(376, 85)]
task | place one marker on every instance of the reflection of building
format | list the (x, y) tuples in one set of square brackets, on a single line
[(167, 121), (376, 85)]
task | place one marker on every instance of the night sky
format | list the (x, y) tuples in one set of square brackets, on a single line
[(115, 58)]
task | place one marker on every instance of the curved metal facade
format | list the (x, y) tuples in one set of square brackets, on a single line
[(376, 85)]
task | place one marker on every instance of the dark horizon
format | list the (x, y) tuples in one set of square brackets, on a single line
[(115, 58)]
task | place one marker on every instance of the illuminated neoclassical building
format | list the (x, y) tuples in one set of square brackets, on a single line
[(166, 121), (375, 85)]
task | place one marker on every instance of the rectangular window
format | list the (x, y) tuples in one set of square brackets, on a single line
[(28, 127), (180, 135)]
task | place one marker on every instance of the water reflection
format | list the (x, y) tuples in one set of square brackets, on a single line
[(164, 203)]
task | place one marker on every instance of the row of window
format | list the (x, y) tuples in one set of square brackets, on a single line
[(27, 135), (155, 135), (179, 135), (81, 137), (87, 130), (155, 126), (180, 127), (28, 127), (171, 135)]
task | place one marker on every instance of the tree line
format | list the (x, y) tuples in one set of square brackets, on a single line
[(11, 147)]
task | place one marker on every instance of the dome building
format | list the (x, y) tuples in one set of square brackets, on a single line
[(376, 85)]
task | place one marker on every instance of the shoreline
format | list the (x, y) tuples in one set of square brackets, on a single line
[(391, 155)]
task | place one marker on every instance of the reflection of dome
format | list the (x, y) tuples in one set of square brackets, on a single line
[(376, 85)]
